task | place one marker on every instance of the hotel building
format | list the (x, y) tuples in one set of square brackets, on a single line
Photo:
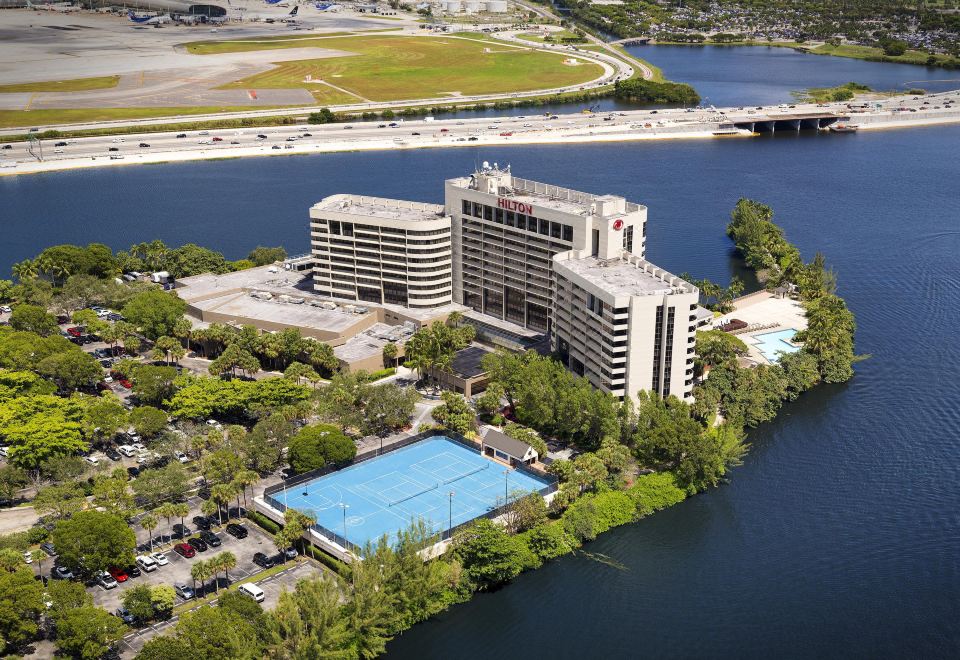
[(561, 262)]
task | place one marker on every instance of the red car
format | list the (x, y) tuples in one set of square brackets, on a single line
[(126, 383), (218, 139), (74, 332), (117, 574), (184, 550)]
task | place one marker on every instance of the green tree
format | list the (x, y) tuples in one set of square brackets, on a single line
[(20, 607), (163, 598), (152, 384), (155, 312), (199, 572), (59, 501), (298, 371), (12, 479), (387, 407), (105, 416), (156, 485), (167, 349), (164, 647), (32, 318), (139, 602), (390, 351), (87, 632), (829, 337), (65, 596), (214, 632), (149, 522), (71, 370), (489, 555), (307, 622), (317, 445), (148, 421), (454, 413), (717, 347), (263, 256), (529, 436), (234, 357), (92, 541), (433, 347)]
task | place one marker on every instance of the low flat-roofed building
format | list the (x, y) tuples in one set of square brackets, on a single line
[(625, 324), (364, 351), (500, 446), (466, 376), (382, 251)]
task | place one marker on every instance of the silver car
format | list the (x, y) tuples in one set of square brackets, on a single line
[(183, 591)]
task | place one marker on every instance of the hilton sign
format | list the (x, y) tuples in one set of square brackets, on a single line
[(513, 205)]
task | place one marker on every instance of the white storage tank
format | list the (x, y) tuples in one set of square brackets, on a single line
[(496, 6), (472, 6), (452, 6)]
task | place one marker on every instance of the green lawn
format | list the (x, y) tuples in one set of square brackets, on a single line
[(556, 38), (78, 85), (15, 118), (393, 68), (871, 53)]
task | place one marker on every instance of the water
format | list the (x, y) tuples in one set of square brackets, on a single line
[(771, 344), (838, 537), (760, 75)]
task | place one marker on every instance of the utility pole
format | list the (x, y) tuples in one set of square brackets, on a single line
[(450, 523)]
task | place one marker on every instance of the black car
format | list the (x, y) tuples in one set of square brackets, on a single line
[(237, 531), (197, 544), (60, 144), (181, 530), (144, 144), (124, 615), (113, 149), (8, 146), (48, 548), (132, 571), (111, 453), (113, 316), (181, 135), (262, 560), (210, 538), (106, 363), (133, 471), (202, 522)]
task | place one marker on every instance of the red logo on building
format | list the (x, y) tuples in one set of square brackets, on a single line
[(618, 224), (513, 205)]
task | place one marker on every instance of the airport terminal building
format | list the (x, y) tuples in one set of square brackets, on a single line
[(515, 253)]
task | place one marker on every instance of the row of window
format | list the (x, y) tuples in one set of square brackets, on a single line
[(518, 220)]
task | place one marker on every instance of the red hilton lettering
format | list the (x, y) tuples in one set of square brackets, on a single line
[(512, 205)]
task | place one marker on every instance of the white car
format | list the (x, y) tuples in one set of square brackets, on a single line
[(139, 446), (106, 580), (160, 558), (108, 378), (28, 557), (4, 451), (6, 309), (92, 460), (127, 450), (143, 457), (147, 563), (180, 456)]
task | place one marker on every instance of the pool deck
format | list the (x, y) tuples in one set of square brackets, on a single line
[(770, 313)]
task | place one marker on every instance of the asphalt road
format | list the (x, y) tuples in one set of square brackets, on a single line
[(429, 133)]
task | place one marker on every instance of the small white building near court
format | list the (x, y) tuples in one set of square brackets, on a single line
[(501, 447)]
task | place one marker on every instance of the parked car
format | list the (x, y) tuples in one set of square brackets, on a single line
[(185, 550), (202, 522), (252, 590), (144, 145), (237, 531), (291, 553), (147, 563), (124, 615), (118, 574), (181, 531), (112, 454), (61, 573), (92, 460), (181, 457), (132, 571), (160, 558), (74, 331), (48, 548), (28, 557), (210, 538), (262, 560), (133, 471), (106, 580), (126, 383), (183, 591), (197, 543)]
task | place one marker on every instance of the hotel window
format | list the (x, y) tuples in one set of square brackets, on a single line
[(556, 230), (568, 233), (628, 239), (347, 229), (477, 210), (467, 209), (544, 226), (511, 219), (488, 213), (498, 216), (334, 227), (531, 224)]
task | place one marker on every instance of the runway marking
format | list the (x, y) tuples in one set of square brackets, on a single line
[(30, 100)]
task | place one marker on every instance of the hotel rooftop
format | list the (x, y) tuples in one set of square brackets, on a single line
[(380, 207), (626, 276)]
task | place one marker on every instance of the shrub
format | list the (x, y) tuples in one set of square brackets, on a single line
[(263, 521), (580, 520), (546, 541), (612, 509), (652, 492)]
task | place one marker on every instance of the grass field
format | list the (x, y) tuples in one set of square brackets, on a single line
[(556, 38), (27, 118), (871, 53), (393, 68), (77, 85)]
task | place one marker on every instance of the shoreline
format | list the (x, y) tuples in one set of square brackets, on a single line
[(556, 136)]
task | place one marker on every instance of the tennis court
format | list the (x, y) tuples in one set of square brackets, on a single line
[(385, 494)]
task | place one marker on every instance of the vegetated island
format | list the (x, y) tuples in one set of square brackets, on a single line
[(633, 460)]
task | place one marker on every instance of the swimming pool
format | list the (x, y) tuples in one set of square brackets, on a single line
[(386, 494), (772, 343)]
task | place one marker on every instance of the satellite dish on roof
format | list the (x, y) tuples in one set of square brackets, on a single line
[(486, 165)]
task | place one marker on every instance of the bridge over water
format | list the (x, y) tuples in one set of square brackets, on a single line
[(770, 123)]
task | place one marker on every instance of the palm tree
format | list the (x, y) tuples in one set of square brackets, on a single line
[(24, 270), (167, 510), (181, 511), (221, 494), (208, 508), (243, 479), (226, 561), (38, 556), (149, 522), (214, 566), (199, 571)]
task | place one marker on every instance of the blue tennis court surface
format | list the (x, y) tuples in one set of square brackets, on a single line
[(385, 494)]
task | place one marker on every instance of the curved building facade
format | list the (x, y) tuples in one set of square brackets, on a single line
[(382, 251)]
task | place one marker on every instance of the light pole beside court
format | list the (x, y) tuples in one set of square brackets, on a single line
[(506, 478), (450, 524)]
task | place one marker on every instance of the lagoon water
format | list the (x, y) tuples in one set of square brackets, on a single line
[(840, 535)]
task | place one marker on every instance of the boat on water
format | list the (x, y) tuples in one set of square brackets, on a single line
[(843, 128)]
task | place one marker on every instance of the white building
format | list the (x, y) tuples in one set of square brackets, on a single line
[(561, 262), (382, 251)]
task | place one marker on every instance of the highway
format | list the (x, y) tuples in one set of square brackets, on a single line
[(611, 126)]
